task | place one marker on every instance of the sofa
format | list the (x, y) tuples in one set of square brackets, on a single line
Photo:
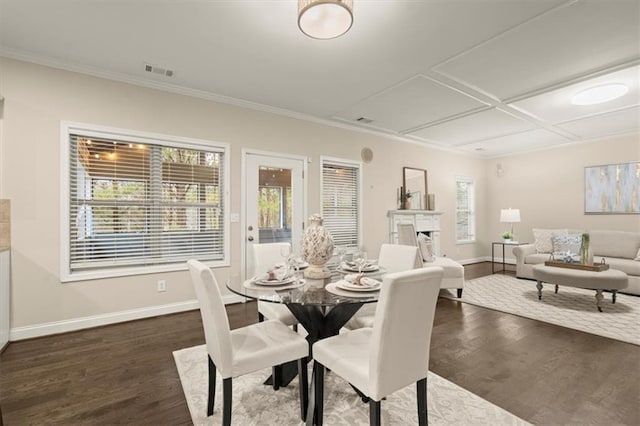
[(621, 250)]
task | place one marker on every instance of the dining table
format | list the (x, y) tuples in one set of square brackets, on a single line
[(322, 307)]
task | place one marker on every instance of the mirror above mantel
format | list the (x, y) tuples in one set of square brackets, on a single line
[(414, 182)]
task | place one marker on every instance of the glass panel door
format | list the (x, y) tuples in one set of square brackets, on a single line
[(274, 202)]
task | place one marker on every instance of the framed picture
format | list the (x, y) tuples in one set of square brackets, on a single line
[(612, 189)]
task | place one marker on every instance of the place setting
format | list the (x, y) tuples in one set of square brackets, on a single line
[(354, 285), (297, 263), (277, 279), (359, 263)]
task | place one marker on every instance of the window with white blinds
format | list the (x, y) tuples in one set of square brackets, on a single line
[(341, 201), (465, 210), (142, 203)]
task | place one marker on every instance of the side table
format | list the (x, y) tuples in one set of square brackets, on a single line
[(503, 244)]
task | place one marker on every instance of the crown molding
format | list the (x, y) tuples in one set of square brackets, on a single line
[(201, 94), (335, 122)]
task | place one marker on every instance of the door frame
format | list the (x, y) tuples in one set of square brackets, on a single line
[(243, 195)]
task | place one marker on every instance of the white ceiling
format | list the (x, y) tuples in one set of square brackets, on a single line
[(487, 77)]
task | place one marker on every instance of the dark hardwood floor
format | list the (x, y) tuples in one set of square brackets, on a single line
[(125, 373)]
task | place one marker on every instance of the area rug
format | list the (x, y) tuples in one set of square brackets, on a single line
[(571, 307), (257, 404)]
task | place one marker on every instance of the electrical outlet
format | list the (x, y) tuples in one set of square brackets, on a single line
[(162, 285)]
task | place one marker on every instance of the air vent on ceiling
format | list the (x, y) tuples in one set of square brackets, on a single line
[(158, 70), (364, 120)]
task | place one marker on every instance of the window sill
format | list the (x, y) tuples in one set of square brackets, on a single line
[(127, 272), (465, 242)]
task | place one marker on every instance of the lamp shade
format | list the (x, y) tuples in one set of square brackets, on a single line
[(510, 215), (325, 19)]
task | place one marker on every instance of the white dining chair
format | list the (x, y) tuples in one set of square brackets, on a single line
[(393, 258), (407, 234), (453, 271), (383, 359), (233, 353), (265, 257)]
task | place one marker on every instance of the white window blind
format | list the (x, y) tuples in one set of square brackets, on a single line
[(143, 204), (465, 210), (341, 201)]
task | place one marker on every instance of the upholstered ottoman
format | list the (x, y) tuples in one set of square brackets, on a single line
[(611, 279), (453, 273)]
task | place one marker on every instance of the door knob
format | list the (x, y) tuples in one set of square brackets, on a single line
[(250, 238), (250, 228)]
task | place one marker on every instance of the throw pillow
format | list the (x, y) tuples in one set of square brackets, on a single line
[(567, 243), (542, 238), (426, 249)]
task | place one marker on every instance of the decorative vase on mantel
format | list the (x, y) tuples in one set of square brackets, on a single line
[(317, 248)]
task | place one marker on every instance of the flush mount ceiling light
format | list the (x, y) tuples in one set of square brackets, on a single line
[(599, 94), (325, 19)]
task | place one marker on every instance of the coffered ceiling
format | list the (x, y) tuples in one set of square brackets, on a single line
[(486, 77)]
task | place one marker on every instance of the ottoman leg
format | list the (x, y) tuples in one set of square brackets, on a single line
[(556, 288), (460, 295), (539, 287), (613, 296), (599, 298)]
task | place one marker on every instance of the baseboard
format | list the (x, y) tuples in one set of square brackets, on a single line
[(507, 260), (74, 324), (472, 260)]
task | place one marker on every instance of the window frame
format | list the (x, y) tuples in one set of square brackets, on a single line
[(346, 163), (472, 210), (90, 130)]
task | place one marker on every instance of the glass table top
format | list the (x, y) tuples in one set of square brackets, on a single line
[(302, 291)]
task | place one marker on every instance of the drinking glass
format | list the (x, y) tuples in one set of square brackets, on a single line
[(341, 251), (360, 259), (285, 252)]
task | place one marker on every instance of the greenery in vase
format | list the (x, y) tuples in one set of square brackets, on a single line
[(584, 249), (507, 235)]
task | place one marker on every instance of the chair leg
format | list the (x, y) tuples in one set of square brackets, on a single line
[(459, 293), (374, 413), (304, 387), (227, 396), (318, 371), (260, 317), (212, 387), (276, 374), (421, 388), (295, 327)]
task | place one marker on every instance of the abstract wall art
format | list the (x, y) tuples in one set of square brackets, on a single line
[(612, 189)]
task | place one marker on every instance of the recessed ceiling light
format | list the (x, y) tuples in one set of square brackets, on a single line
[(599, 94)]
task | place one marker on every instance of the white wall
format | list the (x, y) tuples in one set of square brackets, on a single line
[(38, 98), (548, 187)]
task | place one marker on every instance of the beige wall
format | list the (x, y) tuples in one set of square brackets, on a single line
[(38, 98), (548, 187)]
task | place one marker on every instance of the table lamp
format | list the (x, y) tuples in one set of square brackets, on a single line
[(510, 216)]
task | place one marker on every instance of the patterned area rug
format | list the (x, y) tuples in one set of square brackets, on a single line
[(571, 307), (257, 404)]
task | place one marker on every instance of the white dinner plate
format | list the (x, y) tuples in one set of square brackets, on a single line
[(333, 288), (252, 285), (368, 268), (370, 285), (265, 282), (300, 265)]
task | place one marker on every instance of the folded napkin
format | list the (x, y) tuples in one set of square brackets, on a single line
[(298, 261), (364, 281), (275, 275), (352, 265)]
